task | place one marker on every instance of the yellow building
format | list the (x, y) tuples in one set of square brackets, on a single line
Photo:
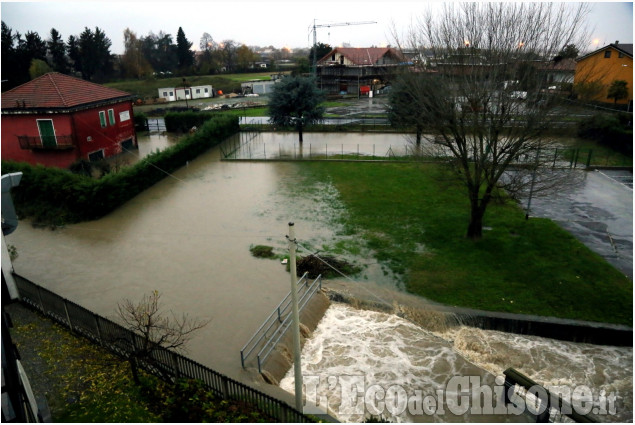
[(596, 71)]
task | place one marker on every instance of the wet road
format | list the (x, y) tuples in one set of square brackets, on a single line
[(599, 214)]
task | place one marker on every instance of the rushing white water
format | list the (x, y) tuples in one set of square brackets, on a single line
[(385, 350)]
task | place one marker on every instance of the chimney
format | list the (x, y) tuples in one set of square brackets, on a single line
[(617, 41)]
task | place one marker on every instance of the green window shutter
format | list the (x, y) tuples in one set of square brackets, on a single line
[(47, 133), (111, 116), (102, 118)]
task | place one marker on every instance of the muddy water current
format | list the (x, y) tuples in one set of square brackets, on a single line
[(379, 350), (189, 237)]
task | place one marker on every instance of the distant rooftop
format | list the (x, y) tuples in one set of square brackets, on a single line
[(55, 90)]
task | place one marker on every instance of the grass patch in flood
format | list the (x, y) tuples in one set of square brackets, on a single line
[(519, 266)]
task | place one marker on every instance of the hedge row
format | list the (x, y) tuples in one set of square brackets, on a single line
[(612, 130), (52, 196), (184, 121)]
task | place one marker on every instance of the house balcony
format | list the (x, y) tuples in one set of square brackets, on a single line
[(48, 143)]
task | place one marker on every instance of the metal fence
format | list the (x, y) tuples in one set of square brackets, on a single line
[(163, 363), (252, 148), (275, 326)]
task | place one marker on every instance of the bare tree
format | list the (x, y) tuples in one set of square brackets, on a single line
[(155, 329), (481, 94)]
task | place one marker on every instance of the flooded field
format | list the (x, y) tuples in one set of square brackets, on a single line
[(189, 237)]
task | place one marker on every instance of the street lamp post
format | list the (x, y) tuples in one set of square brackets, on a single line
[(185, 92)]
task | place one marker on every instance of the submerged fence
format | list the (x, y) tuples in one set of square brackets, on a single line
[(163, 363), (252, 148)]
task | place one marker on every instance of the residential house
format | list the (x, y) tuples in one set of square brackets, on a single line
[(56, 119), (603, 66), (558, 72), (346, 70)]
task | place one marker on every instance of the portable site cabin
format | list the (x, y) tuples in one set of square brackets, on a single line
[(258, 87), (201, 92), (171, 94), (167, 94)]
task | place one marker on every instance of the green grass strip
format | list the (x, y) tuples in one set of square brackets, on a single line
[(519, 266)]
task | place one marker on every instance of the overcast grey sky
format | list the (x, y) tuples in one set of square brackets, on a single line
[(277, 23)]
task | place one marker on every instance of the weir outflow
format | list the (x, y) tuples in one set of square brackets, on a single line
[(274, 327)]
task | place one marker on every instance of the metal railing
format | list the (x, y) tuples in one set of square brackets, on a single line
[(275, 326), (165, 364), (36, 142)]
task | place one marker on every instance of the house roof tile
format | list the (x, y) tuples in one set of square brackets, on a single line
[(55, 90), (363, 56)]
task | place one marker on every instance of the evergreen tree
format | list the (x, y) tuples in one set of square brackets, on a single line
[(11, 72), (295, 101), (94, 54), (72, 50), (33, 46), (185, 56), (57, 52)]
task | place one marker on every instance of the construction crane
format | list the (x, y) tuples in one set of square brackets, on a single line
[(340, 24)]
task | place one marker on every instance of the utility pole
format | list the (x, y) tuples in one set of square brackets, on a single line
[(297, 366)]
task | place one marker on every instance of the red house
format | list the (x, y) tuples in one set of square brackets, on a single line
[(56, 119)]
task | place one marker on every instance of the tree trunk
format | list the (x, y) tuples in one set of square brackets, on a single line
[(135, 370), (477, 212), (300, 132), (475, 228)]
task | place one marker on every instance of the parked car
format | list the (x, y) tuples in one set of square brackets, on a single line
[(519, 95)]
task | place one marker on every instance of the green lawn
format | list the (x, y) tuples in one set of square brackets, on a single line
[(225, 82), (530, 267)]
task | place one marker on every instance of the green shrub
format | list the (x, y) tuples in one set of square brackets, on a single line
[(140, 122), (188, 400), (612, 130), (184, 121), (262, 251)]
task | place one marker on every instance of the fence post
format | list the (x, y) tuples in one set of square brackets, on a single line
[(225, 387), (39, 295), (68, 317), (101, 341), (175, 361), (575, 156)]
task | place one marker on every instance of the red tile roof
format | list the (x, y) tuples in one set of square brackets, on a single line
[(364, 56), (55, 90), (562, 65)]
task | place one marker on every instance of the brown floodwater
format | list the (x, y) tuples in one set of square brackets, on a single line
[(189, 236)]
